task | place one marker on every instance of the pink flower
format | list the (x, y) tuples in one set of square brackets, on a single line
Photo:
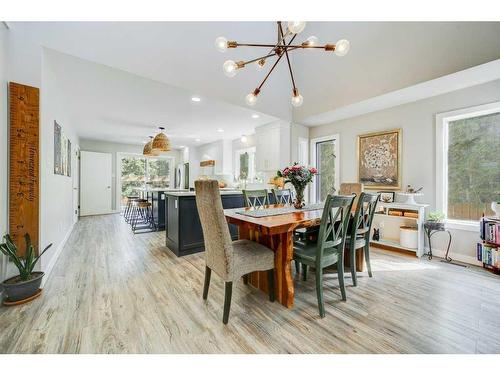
[(313, 170), (296, 167)]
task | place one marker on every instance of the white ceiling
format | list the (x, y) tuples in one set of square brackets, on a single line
[(384, 56), (115, 106)]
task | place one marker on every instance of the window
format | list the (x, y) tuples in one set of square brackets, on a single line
[(324, 156), (138, 172), (245, 164), (468, 162)]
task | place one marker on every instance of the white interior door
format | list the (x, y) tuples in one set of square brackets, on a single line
[(95, 183)]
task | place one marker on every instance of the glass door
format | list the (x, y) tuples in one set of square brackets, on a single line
[(133, 177), (324, 158)]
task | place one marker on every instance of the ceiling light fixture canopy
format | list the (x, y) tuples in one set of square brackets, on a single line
[(278, 50), (161, 143)]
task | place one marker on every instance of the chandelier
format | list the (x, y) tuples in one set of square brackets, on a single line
[(280, 49)]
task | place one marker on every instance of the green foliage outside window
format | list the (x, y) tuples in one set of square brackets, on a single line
[(473, 166)]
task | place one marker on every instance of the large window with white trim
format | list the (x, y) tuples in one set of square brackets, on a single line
[(470, 162)]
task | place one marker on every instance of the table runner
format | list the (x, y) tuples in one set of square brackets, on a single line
[(262, 212)]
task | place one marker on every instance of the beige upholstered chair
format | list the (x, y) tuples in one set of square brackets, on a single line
[(229, 259)]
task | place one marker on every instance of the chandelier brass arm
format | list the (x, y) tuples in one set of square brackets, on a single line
[(282, 47)]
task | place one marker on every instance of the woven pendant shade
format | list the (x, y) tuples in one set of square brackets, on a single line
[(148, 149), (161, 143)]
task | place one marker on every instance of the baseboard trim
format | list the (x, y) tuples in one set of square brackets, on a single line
[(54, 259)]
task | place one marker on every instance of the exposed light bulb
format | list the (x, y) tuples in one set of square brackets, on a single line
[(259, 64), (342, 47), (220, 130), (312, 41), (297, 99), (244, 139), (251, 99), (195, 99), (230, 68), (221, 44), (296, 27)]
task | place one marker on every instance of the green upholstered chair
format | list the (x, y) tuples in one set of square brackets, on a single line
[(256, 198), (359, 236), (283, 196), (329, 249)]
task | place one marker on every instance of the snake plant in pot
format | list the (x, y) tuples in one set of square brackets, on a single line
[(27, 283)]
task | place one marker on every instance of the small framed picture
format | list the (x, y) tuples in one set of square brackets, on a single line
[(387, 196)]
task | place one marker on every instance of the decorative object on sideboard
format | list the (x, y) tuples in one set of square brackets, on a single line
[(25, 286), (161, 143), (379, 159), (410, 193), (279, 49), (278, 182), (387, 196), (376, 234), (299, 176)]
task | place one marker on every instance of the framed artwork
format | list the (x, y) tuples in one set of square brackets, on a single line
[(387, 196), (62, 152), (379, 159)]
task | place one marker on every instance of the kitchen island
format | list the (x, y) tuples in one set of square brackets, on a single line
[(183, 228), (157, 198)]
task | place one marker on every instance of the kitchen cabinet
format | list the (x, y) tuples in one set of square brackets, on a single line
[(268, 140)]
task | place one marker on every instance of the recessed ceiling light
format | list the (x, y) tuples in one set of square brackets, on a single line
[(182, 146), (255, 115), (197, 139), (196, 99), (220, 130), (244, 139)]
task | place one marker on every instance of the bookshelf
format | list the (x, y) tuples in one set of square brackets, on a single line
[(488, 249), (389, 217)]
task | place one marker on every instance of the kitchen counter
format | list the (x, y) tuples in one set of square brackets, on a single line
[(183, 228), (192, 193)]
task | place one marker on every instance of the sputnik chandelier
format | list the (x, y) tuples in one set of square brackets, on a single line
[(280, 49)]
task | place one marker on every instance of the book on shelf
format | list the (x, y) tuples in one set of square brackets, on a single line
[(488, 254), (490, 230)]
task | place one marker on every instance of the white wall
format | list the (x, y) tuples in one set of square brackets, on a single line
[(113, 149), (56, 191), (3, 143), (418, 158)]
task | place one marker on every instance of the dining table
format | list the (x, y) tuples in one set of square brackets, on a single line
[(274, 228)]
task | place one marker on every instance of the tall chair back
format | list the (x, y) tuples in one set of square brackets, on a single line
[(334, 224), (256, 198), (283, 196), (218, 242), (348, 188), (363, 217)]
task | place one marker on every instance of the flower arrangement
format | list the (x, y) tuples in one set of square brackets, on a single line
[(299, 176)]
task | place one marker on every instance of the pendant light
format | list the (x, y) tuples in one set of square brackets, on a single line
[(161, 143), (148, 150)]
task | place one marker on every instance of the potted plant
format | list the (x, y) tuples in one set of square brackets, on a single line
[(27, 283), (434, 221), (299, 176)]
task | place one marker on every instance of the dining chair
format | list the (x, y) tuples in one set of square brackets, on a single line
[(229, 259), (348, 188), (255, 198), (329, 249), (283, 196), (359, 236)]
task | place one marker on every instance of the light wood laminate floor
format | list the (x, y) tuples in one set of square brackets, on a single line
[(115, 292)]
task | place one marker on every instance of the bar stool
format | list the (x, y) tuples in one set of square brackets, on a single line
[(142, 213), (128, 208)]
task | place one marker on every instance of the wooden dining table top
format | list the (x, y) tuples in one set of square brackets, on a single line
[(269, 225)]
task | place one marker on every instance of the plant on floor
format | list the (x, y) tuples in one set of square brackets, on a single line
[(27, 283), (26, 265)]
